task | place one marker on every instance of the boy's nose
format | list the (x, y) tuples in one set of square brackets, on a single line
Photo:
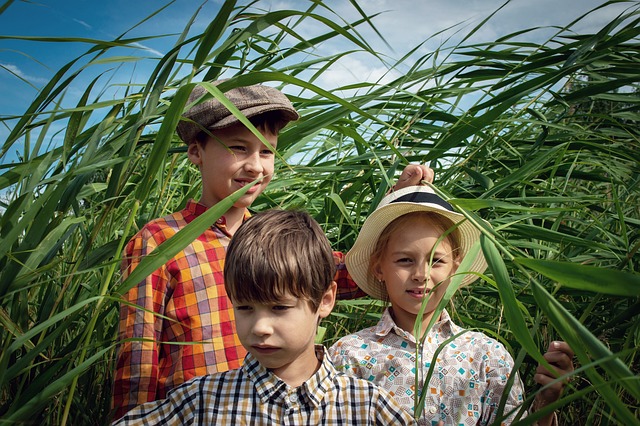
[(262, 327), (253, 163)]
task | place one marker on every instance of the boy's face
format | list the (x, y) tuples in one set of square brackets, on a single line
[(231, 160), (281, 334), (406, 271)]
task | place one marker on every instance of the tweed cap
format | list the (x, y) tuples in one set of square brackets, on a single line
[(398, 203), (250, 100)]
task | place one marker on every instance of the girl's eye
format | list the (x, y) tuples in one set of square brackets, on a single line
[(238, 148), (404, 260), (266, 152), (243, 308), (440, 261)]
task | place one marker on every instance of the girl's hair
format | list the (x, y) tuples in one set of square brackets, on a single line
[(270, 121), (441, 223), (275, 253)]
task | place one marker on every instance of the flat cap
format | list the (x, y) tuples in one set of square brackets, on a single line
[(250, 100)]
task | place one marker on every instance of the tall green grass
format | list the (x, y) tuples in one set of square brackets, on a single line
[(547, 152)]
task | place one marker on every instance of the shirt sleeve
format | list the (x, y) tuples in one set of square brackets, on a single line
[(500, 368), (136, 375), (181, 406), (347, 287)]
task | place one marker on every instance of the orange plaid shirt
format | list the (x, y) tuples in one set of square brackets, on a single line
[(194, 333)]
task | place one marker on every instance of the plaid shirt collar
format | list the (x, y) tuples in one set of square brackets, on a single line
[(194, 209), (270, 387)]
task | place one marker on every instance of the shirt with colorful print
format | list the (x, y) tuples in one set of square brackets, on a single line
[(468, 378)]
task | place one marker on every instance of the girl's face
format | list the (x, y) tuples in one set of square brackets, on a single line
[(413, 267)]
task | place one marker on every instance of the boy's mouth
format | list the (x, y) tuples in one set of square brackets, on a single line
[(264, 349), (242, 183)]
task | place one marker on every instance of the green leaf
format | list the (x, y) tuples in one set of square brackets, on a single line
[(585, 277), (586, 347), (512, 310)]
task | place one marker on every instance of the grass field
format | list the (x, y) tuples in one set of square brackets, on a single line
[(548, 152)]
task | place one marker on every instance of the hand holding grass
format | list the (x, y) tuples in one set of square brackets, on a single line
[(560, 356)]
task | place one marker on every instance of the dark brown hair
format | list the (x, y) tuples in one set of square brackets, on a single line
[(279, 252)]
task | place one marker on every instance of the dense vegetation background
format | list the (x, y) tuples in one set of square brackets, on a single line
[(548, 151)]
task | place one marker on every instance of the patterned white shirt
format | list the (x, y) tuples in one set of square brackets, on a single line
[(252, 395), (467, 382)]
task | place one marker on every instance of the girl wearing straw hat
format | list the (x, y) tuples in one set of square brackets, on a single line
[(409, 252)]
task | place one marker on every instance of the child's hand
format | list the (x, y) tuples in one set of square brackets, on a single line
[(560, 356), (413, 174)]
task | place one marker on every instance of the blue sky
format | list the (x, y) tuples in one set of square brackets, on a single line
[(26, 66)]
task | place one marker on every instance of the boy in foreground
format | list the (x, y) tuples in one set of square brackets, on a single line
[(279, 275)]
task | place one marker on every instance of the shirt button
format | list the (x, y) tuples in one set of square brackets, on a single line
[(293, 398), (433, 409)]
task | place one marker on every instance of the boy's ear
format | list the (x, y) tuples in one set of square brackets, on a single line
[(328, 300), (194, 153)]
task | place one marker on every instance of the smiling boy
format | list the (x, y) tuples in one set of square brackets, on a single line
[(228, 155), (189, 289), (279, 275)]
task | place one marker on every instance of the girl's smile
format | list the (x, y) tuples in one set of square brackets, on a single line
[(419, 293)]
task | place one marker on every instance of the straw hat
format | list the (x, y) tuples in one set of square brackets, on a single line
[(394, 205), (250, 100)]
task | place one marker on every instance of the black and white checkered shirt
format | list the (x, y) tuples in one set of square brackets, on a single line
[(252, 395)]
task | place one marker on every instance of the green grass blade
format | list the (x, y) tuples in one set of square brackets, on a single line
[(585, 277)]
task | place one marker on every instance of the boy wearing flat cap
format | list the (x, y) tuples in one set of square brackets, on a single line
[(188, 291), (178, 323)]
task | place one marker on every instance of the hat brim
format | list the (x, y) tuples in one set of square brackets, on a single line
[(358, 258)]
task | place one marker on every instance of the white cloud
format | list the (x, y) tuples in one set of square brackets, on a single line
[(148, 49), (81, 22), (13, 69), (350, 70), (405, 24)]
